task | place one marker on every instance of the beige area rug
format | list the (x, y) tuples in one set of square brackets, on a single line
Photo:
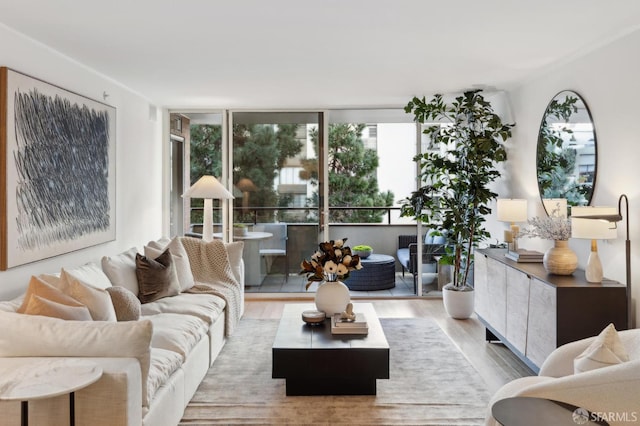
[(431, 383)]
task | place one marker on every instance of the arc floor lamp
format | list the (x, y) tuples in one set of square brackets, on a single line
[(614, 218)]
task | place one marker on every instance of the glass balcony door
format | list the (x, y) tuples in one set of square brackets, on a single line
[(278, 187)]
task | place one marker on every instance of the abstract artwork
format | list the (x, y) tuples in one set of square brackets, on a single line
[(57, 170)]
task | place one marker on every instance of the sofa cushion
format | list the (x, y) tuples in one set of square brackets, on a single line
[(48, 308), (97, 300), (605, 350), (163, 363), (37, 286), (157, 277), (234, 250), (34, 336), (90, 273), (176, 332), (207, 307), (403, 257), (125, 303), (121, 269), (179, 256)]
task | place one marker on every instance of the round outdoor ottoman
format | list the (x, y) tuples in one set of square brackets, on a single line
[(378, 273)]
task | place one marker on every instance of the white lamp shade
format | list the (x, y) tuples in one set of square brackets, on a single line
[(208, 187), (592, 229), (555, 207), (512, 210)]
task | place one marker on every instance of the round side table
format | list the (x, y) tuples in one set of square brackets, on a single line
[(46, 379), (529, 411)]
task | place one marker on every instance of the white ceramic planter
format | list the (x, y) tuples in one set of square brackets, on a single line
[(458, 304)]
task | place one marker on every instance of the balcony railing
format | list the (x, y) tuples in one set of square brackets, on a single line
[(256, 213)]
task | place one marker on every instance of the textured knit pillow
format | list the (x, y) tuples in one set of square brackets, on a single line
[(605, 350), (125, 303), (157, 277), (95, 299), (40, 306)]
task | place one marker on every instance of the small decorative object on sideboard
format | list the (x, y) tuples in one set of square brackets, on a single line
[(525, 256), (362, 250), (559, 259), (331, 262)]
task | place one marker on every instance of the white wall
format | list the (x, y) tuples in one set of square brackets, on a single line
[(138, 155), (608, 80)]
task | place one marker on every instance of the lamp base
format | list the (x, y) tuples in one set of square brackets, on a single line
[(593, 271)]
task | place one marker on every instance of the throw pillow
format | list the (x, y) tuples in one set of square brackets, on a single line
[(121, 269), (48, 308), (234, 251), (91, 273), (95, 299), (605, 350), (125, 303), (179, 257), (38, 287), (157, 277)]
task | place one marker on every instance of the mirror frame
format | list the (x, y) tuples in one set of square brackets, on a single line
[(589, 196)]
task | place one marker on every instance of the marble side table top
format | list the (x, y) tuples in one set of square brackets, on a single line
[(44, 378)]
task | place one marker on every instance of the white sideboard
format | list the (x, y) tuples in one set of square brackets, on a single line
[(533, 312)]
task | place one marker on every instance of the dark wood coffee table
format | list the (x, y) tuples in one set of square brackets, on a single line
[(315, 362)]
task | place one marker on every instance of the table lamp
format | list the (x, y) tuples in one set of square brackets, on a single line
[(592, 230), (209, 188), (512, 210)]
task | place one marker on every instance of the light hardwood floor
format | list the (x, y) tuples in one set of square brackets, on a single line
[(493, 361)]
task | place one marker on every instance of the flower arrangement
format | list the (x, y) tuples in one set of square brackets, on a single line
[(332, 261), (548, 228)]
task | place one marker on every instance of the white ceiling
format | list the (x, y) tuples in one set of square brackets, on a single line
[(322, 53)]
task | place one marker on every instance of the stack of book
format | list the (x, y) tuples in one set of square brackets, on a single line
[(344, 326), (524, 256)]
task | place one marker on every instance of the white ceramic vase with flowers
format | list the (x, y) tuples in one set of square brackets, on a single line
[(328, 265)]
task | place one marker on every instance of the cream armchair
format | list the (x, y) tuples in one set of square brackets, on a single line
[(612, 389)]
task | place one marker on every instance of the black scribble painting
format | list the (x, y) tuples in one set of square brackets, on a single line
[(57, 168), (62, 165)]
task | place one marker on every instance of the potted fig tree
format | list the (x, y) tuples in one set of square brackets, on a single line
[(466, 146)]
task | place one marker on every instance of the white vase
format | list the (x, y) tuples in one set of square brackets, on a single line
[(560, 259), (332, 297), (459, 304)]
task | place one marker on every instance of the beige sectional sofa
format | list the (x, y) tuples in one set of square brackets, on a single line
[(152, 365)]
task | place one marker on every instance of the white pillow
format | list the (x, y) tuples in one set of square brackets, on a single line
[(35, 336), (121, 269), (606, 349), (90, 273), (48, 308), (234, 251), (39, 287), (179, 257), (95, 299)]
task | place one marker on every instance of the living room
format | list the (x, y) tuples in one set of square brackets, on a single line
[(598, 60)]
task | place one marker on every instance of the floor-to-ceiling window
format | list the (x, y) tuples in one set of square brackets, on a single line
[(279, 167)]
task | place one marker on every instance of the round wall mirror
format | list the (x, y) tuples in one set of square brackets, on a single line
[(566, 151)]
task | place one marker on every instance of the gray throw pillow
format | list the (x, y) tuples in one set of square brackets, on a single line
[(157, 278), (125, 303)]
